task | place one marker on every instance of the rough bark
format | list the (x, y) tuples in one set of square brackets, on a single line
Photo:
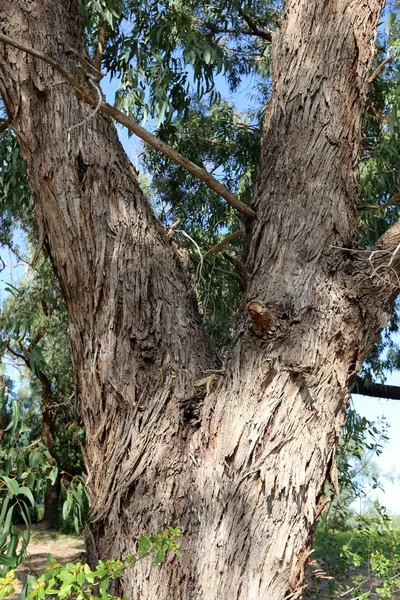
[(243, 470)]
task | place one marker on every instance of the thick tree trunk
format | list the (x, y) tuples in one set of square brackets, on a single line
[(243, 470)]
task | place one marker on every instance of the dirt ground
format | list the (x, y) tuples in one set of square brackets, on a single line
[(63, 548)]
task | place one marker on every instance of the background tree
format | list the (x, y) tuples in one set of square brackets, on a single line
[(240, 464), (33, 332)]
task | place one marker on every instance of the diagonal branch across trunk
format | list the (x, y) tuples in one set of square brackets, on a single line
[(86, 93)]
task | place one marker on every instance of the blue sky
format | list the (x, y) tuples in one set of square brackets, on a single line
[(389, 461)]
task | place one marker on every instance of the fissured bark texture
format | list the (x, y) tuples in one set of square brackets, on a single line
[(241, 469)]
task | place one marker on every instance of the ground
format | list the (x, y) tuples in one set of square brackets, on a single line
[(63, 548)]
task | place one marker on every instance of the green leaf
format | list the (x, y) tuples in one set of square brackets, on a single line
[(27, 492), (4, 507), (8, 561), (12, 289), (81, 577), (159, 557), (144, 544), (103, 585), (24, 329), (12, 485), (53, 475), (390, 21), (6, 591), (66, 507)]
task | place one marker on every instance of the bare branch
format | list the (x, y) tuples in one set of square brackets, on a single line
[(263, 33), (393, 200), (379, 68), (218, 30), (18, 355), (218, 247), (243, 125), (376, 390), (82, 60), (100, 46), (178, 159), (85, 94)]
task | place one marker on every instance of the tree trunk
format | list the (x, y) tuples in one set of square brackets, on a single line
[(242, 471)]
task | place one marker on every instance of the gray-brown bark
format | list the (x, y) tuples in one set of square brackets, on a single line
[(245, 478)]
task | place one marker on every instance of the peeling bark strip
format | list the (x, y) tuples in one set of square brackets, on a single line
[(244, 478)]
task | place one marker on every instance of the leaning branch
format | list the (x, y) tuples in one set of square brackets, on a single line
[(100, 46), (379, 68), (393, 200), (263, 33), (218, 247), (376, 390), (177, 158), (85, 94)]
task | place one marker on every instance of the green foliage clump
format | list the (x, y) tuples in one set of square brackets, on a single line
[(25, 467), (16, 202), (356, 549), (79, 581), (161, 52), (33, 331), (223, 141)]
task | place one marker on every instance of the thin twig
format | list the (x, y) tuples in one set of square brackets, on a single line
[(200, 266), (85, 94), (393, 200), (100, 46), (221, 245), (379, 68), (82, 60), (94, 112)]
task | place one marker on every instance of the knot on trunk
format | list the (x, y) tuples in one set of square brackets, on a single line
[(264, 319)]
